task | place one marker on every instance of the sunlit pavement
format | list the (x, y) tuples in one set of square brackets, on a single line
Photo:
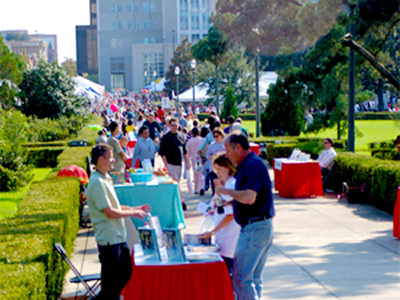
[(323, 249)]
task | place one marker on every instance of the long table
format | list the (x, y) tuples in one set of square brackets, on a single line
[(295, 179), (163, 198), (396, 215), (179, 281)]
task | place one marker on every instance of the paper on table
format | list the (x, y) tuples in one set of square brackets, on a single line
[(152, 182)]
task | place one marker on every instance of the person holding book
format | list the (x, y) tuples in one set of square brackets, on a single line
[(226, 229)]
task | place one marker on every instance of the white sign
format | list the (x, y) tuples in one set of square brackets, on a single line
[(165, 102)]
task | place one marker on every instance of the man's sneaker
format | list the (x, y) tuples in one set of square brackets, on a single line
[(201, 192), (184, 206)]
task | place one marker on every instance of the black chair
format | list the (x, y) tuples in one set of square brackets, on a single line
[(84, 279)]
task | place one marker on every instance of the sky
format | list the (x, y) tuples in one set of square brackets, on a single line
[(47, 17)]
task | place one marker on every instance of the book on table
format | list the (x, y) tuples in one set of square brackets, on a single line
[(173, 244)]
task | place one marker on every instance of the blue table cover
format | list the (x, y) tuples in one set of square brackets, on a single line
[(164, 200)]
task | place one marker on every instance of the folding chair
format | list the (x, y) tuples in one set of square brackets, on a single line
[(84, 279)]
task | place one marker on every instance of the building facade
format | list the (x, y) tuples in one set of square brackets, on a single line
[(86, 44), (136, 38), (36, 46)]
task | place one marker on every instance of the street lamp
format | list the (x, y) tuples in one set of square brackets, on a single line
[(257, 94), (193, 66), (177, 72)]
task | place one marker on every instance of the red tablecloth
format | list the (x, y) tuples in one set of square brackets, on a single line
[(277, 172), (300, 180), (396, 216), (194, 281)]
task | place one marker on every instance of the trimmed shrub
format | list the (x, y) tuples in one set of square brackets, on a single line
[(44, 157), (46, 144), (49, 213), (381, 178), (23, 281), (377, 115)]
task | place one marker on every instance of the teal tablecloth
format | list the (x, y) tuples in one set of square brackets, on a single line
[(164, 200)]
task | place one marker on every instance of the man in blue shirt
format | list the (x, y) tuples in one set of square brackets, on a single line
[(253, 210)]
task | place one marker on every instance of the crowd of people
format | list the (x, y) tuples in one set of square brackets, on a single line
[(211, 158), (186, 146)]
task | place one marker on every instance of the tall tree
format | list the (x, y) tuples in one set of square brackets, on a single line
[(275, 26), (237, 72), (182, 57), (48, 92), (212, 48), (11, 69), (70, 67)]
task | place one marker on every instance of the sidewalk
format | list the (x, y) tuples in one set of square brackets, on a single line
[(323, 249)]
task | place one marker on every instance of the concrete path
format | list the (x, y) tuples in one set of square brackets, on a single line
[(323, 249)]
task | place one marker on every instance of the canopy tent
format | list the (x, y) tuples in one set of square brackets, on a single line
[(266, 79), (200, 94), (87, 88), (156, 86)]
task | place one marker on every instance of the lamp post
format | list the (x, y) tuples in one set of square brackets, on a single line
[(351, 128), (257, 95), (177, 72), (193, 66)]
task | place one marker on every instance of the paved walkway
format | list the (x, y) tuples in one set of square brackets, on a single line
[(323, 249)]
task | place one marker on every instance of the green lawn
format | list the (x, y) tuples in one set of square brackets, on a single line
[(367, 131), (9, 200)]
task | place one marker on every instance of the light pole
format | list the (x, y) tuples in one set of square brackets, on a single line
[(177, 71), (351, 128), (193, 66), (173, 40), (257, 95)]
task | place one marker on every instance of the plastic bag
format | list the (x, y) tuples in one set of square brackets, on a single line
[(197, 166), (206, 224)]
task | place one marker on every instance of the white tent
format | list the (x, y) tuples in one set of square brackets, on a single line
[(87, 88), (200, 94), (266, 79)]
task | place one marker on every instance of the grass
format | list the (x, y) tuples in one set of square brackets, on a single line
[(367, 131), (9, 200)]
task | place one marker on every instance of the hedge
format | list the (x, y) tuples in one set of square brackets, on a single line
[(377, 115), (381, 178), (25, 286), (49, 213), (284, 148), (244, 117), (44, 157)]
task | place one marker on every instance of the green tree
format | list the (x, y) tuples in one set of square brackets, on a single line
[(11, 69), (284, 114), (14, 171), (276, 26), (48, 92), (70, 67), (212, 48), (182, 57), (229, 105), (237, 73)]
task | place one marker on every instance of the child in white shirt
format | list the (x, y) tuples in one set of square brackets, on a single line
[(226, 229)]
